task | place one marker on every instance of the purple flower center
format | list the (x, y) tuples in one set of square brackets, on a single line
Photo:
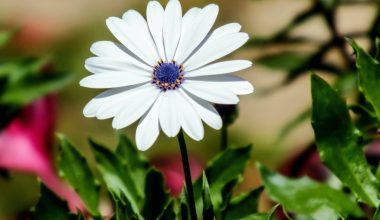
[(167, 75)]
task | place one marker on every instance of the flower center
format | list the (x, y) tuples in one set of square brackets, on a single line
[(167, 75)]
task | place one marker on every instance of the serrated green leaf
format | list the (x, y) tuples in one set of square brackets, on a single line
[(227, 192), (243, 206), (123, 210), (137, 163), (32, 87), (223, 169), (116, 175), (369, 76), (168, 212), (50, 207), (337, 141), (77, 172), (284, 61), (156, 198), (208, 209), (307, 197)]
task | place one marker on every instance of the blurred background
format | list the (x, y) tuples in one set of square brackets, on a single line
[(289, 38)]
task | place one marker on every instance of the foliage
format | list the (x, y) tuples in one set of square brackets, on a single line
[(24, 80), (137, 190)]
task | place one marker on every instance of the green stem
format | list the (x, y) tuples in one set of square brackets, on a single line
[(188, 181)]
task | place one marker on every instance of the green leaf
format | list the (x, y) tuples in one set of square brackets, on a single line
[(116, 175), (32, 87), (208, 209), (262, 216), (50, 207), (18, 70), (285, 61), (123, 210), (227, 192), (168, 212), (337, 141), (156, 198), (137, 163), (329, 4), (244, 205), (376, 216), (5, 36), (184, 206), (77, 172), (307, 197), (225, 168), (369, 76)]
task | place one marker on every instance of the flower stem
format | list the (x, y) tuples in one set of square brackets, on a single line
[(186, 169)]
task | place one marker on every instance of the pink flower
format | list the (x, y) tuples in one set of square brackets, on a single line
[(171, 167), (25, 145)]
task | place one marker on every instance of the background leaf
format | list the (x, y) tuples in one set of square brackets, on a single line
[(307, 197), (77, 172), (50, 207), (225, 169), (168, 212), (156, 198), (136, 162), (208, 209), (337, 141), (284, 61), (32, 87), (369, 76), (117, 177), (243, 206)]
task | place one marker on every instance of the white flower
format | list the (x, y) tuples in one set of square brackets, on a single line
[(161, 71)]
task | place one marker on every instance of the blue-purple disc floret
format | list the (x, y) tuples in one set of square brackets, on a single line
[(167, 75)]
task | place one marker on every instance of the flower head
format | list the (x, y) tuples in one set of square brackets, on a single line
[(161, 73)]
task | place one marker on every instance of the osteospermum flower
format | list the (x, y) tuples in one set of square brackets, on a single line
[(162, 72)]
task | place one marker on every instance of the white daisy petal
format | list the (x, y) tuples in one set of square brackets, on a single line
[(103, 98), (224, 30), (214, 94), (220, 68), (190, 120), (235, 84), (205, 110), (126, 34), (172, 28), (169, 118), (117, 51), (113, 80), (215, 49), (141, 34), (103, 65), (119, 101), (198, 29), (137, 106), (148, 129), (155, 17), (186, 32)]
